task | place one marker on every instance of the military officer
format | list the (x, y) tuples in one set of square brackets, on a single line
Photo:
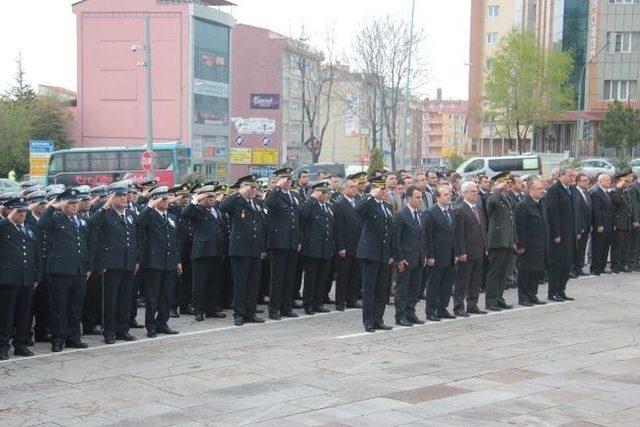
[(159, 247), (284, 244), (68, 266), (182, 298), (246, 247), (206, 252), (19, 274), (623, 223), (374, 254), (113, 245)]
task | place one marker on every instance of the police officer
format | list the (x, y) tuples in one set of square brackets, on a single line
[(68, 266), (18, 276), (374, 253), (284, 244), (184, 286), (206, 252), (159, 248), (318, 247), (92, 307), (246, 247), (115, 255)]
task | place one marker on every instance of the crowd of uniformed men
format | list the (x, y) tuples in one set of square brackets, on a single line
[(81, 260)]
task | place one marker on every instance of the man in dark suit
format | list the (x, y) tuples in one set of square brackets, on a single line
[(318, 247), (206, 252), (563, 233), (19, 274), (583, 208), (439, 224), (374, 254), (347, 233), (247, 248), (471, 248), (68, 266), (532, 232), (284, 244), (602, 223), (501, 242), (634, 193), (114, 253), (623, 223), (408, 251), (159, 245)]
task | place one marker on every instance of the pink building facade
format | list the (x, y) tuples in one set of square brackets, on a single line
[(190, 57)]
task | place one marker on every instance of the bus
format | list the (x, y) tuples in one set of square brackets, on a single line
[(104, 165)]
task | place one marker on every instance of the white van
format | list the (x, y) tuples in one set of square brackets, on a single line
[(491, 166)]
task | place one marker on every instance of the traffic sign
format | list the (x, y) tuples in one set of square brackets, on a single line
[(266, 141), (239, 141), (146, 160)]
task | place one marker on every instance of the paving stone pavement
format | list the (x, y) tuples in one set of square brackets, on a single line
[(574, 363)]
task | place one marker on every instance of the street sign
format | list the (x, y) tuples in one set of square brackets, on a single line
[(239, 141), (264, 156), (146, 160), (266, 141), (39, 153), (240, 156)]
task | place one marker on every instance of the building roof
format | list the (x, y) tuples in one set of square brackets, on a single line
[(205, 2), (572, 116)]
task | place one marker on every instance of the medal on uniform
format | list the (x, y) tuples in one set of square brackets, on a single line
[(173, 224)]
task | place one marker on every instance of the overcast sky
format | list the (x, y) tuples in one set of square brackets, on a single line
[(45, 32)]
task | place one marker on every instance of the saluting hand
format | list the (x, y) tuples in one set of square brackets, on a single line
[(342, 253), (431, 262)]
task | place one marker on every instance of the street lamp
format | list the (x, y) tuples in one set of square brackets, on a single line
[(149, 108)]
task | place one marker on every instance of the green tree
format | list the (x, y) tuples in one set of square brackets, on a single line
[(376, 161), (620, 128), (527, 84), (454, 160)]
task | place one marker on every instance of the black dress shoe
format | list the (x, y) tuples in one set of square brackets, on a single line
[(525, 303), (199, 317), (91, 330), (174, 313), (536, 301), (555, 298), (403, 322), (493, 307), (217, 315), (444, 314), (185, 309), (309, 311), (30, 343), (135, 325), (416, 321), (328, 301), (369, 329), (125, 337), (76, 344), (297, 304), (57, 346), (167, 331), (238, 321), (152, 334), (22, 351), (274, 315), (433, 317), (564, 295), (475, 310), (289, 314), (109, 340), (340, 307), (322, 309), (461, 313), (383, 327), (253, 319), (42, 337), (5, 356), (354, 305), (503, 305)]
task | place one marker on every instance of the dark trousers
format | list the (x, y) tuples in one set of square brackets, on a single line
[(635, 247), (620, 249), (468, 281), (159, 286), (226, 296), (92, 314), (439, 288), (137, 288), (117, 297), (374, 292), (297, 282), (207, 275), (246, 279), (500, 259), (183, 296), (265, 279), (347, 280), (528, 285), (66, 294), (283, 274), (41, 308), (407, 292), (558, 278), (15, 315), (316, 273), (330, 278), (581, 249), (600, 243)]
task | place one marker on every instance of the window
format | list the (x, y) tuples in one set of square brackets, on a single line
[(76, 162), (489, 64), (211, 51), (475, 165), (624, 1), (130, 160), (492, 38), (618, 89), (55, 164), (493, 11), (502, 165), (210, 110), (104, 161), (621, 42)]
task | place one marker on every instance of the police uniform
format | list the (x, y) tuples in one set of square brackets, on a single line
[(67, 264), (159, 247), (18, 272), (182, 298)]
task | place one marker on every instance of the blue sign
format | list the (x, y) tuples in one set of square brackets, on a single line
[(40, 147)]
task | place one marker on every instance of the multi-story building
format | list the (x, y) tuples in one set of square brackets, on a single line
[(190, 60), (443, 130)]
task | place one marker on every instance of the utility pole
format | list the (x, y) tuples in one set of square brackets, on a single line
[(405, 136)]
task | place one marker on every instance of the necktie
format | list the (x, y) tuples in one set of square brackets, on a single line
[(23, 229), (290, 198), (474, 208), (446, 214), (416, 220), (253, 206), (384, 210)]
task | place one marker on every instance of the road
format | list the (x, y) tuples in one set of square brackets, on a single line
[(574, 363)]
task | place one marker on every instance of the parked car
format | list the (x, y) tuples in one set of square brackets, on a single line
[(314, 168), (593, 167), (8, 186), (491, 166), (635, 165)]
